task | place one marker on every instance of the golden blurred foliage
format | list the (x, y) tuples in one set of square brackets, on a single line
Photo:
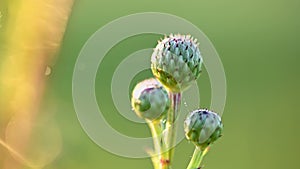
[(30, 38)]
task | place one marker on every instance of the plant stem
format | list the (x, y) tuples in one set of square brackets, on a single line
[(197, 158), (156, 132), (159, 146), (171, 125), (164, 148)]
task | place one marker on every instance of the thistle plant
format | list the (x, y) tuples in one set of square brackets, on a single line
[(175, 63), (202, 128), (150, 100)]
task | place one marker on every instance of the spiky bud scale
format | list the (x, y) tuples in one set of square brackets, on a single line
[(203, 127), (176, 62)]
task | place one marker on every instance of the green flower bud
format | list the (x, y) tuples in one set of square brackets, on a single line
[(176, 62), (203, 127), (150, 100)]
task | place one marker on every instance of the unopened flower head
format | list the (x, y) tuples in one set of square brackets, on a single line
[(176, 62), (203, 127), (150, 100)]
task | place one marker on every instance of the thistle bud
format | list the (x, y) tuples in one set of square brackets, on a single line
[(203, 127), (150, 100), (176, 62)]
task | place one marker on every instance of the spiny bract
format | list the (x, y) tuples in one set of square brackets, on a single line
[(150, 100), (203, 127), (176, 62)]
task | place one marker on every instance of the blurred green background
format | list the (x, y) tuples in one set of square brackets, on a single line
[(258, 43)]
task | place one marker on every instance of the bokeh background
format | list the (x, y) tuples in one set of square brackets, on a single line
[(258, 43)]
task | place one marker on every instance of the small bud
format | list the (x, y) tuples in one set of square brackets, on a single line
[(150, 100), (176, 62), (203, 127)]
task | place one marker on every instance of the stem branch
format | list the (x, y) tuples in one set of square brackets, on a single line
[(171, 125), (164, 147), (197, 158)]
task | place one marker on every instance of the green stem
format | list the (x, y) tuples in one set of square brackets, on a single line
[(164, 147), (197, 158), (156, 132), (171, 125), (160, 154)]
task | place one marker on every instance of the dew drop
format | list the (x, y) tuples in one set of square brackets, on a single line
[(48, 71), (185, 104)]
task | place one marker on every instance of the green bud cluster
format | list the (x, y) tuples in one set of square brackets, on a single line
[(203, 127), (150, 100), (176, 62)]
